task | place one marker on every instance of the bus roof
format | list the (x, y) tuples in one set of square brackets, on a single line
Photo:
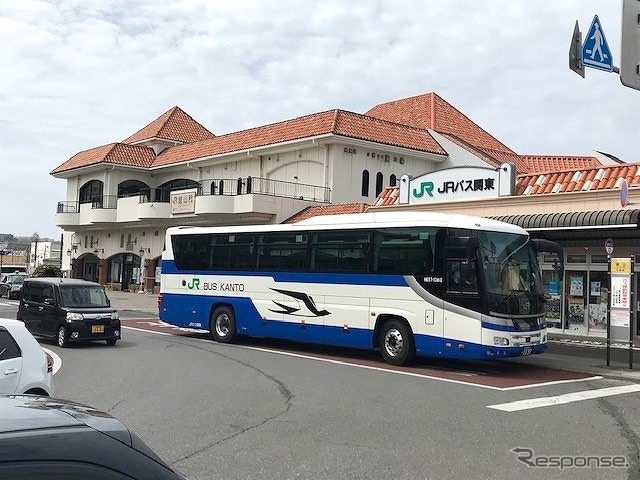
[(365, 220)]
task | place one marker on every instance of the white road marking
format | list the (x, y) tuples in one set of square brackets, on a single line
[(57, 361), (562, 399), (370, 367)]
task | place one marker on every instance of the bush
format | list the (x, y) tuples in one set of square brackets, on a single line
[(47, 271)]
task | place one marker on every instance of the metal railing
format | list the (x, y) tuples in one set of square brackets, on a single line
[(68, 207), (264, 186), (222, 186)]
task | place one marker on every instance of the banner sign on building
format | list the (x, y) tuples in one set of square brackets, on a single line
[(183, 201), (458, 183), (620, 296)]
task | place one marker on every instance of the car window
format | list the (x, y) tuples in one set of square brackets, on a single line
[(8, 346), (34, 292), (83, 296)]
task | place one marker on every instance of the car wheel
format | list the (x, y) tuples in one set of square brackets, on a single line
[(63, 337), (223, 325), (111, 342), (396, 343)]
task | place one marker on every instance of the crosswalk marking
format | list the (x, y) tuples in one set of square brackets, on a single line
[(562, 399)]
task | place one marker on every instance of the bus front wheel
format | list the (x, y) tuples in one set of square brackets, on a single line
[(396, 343), (223, 325)]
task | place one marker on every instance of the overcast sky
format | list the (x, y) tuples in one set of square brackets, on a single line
[(79, 74)]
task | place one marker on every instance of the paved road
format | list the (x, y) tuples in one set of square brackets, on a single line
[(265, 409)]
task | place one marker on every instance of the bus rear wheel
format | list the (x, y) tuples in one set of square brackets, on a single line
[(223, 325), (396, 343)]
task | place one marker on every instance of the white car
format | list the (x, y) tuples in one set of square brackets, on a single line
[(24, 366)]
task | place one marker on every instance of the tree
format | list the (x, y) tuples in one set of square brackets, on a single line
[(47, 271)]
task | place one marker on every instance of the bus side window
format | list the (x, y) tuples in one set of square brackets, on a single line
[(461, 276)]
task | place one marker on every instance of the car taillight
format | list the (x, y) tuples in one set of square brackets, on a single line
[(159, 301), (49, 363)]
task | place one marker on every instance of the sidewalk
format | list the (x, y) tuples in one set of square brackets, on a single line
[(575, 354), (137, 302)]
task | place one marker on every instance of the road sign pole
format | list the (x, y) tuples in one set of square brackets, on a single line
[(609, 314), (630, 44)]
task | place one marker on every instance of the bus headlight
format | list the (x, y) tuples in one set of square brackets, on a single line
[(500, 341)]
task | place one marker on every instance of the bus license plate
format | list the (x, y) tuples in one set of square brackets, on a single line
[(97, 328), (527, 351)]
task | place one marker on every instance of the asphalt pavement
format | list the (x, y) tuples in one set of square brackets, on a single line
[(564, 352)]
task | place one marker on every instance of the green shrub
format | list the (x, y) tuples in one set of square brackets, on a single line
[(47, 271)]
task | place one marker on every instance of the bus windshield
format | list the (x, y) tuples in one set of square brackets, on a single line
[(511, 273)]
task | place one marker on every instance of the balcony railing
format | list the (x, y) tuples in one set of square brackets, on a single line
[(264, 186), (224, 186), (68, 207)]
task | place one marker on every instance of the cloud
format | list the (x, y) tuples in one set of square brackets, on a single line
[(79, 74)]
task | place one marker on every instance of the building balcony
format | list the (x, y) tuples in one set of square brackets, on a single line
[(248, 196)]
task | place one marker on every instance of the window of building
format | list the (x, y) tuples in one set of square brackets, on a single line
[(91, 192), (392, 180), (379, 182), (163, 192), (365, 183)]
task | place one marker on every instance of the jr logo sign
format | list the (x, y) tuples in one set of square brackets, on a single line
[(424, 187)]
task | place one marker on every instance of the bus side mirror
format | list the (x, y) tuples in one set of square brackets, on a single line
[(547, 246)]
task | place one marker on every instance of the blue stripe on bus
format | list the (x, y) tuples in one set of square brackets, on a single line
[(249, 322), (169, 268), (510, 328)]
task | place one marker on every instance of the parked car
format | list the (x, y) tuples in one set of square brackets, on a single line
[(11, 285), (24, 366), (44, 438), (68, 310)]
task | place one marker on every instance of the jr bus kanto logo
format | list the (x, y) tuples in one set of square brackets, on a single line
[(424, 187)]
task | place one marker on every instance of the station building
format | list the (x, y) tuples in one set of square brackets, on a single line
[(121, 197)]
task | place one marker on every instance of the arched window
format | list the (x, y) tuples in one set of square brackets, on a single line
[(365, 183), (131, 188), (163, 192), (239, 189), (379, 182), (221, 187), (122, 241), (91, 192), (393, 180), (212, 189)]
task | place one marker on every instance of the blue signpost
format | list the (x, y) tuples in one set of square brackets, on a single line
[(595, 49)]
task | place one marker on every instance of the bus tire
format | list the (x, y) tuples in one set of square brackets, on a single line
[(223, 325), (396, 343)]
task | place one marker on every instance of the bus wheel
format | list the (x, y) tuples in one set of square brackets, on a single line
[(396, 343), (223, 325)]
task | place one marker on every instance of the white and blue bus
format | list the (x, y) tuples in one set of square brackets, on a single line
[(406, 283)]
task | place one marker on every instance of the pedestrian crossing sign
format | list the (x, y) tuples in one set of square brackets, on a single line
[(595, 49)]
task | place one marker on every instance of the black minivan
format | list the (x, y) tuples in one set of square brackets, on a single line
[(68, 309)]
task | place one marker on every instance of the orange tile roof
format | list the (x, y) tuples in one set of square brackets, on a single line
[(327, 209), (114, 153), (336, 122), (388, 196), (174, 124), (431, 111), (548, 163), (586, 179)]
